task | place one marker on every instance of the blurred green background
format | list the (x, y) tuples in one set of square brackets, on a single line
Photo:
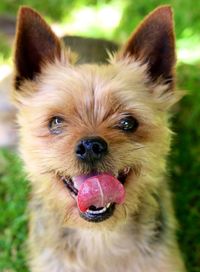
[(114, 20)]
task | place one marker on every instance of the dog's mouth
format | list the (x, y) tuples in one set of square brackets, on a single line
[(96, 194)]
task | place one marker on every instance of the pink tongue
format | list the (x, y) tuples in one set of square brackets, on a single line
[(99, 191)]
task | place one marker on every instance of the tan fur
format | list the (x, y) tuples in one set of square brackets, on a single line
[(92, 99)]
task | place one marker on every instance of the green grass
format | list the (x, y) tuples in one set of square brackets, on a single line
[(13, 218)]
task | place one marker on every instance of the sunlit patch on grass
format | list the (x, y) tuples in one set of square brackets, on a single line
[(92, 21), (5, 70), (188, 48)]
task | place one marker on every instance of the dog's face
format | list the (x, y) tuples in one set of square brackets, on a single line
[(94, 138)]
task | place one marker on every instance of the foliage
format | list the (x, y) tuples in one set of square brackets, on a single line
[(4, 47), (52, 7), (186, 15), (185, 165)]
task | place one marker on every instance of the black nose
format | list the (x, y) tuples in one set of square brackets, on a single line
[(92, 149)]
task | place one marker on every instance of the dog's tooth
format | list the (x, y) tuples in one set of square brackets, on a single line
[(126, 170), (108, 205)]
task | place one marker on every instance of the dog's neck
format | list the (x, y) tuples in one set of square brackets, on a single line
[(89, 246), (118, 245)]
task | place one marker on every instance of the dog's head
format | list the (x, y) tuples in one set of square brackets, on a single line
[(94, 138)]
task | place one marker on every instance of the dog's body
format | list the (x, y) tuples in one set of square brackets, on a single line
[(94, 139)]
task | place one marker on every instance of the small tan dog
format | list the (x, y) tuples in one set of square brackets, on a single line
[(94, 139)]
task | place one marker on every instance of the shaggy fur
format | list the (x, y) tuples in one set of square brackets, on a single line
[(92, 99)]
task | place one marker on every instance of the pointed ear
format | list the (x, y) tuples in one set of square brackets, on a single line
[(35, 44), (153, 43)]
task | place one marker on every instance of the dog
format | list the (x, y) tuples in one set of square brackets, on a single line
[(94, 139)]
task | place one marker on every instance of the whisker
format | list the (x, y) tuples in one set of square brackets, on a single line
[(137, 148), (125, 210)]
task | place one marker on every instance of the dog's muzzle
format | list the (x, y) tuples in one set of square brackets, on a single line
[(97, 194)]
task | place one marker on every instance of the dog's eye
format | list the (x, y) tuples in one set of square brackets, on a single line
[(128, 124), (56, 125)]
